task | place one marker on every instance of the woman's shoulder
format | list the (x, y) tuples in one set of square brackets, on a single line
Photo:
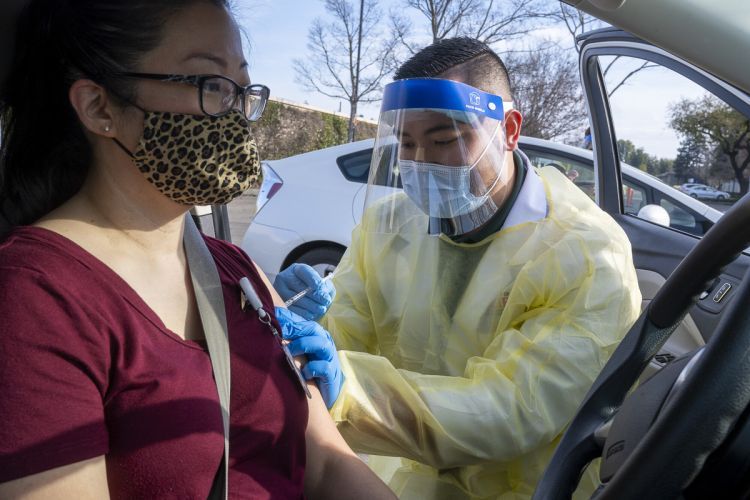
[(38, 266), (228, 256), (29, 250), (232, 262)]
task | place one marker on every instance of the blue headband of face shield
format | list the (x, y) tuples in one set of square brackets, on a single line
[(434, 93)]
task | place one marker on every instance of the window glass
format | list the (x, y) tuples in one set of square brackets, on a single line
[(633, 197), (356, 166), (582, 174), (679, 218), (692, 143)]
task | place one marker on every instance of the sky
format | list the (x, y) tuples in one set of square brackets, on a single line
[(277, 34)]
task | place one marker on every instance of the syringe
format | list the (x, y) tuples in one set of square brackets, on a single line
[(294, 298)]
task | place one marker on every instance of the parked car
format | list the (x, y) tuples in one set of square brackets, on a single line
[(689, 185), (308, 204), (706, 193)]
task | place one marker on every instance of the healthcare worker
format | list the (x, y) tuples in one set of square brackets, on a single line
[(476, 306)]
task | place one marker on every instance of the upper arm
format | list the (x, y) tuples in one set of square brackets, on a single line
[(54, 365), (332, 469), (81, 480), (277, 300), (321, 437)]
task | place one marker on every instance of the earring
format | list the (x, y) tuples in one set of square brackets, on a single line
[(107, 127)]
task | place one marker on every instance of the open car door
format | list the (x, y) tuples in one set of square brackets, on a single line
[(654, 87)]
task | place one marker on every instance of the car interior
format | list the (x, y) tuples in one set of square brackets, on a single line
[(673, 433)]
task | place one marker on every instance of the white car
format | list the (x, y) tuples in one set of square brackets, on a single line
[(706, 193), (689, 185), (308, 204)]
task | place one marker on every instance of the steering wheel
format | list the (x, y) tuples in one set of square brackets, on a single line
[(688, 408)]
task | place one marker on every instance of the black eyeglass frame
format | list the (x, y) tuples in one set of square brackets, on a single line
[(255, 89)]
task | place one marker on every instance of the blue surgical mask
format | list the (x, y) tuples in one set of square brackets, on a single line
[(446, 191), (440, 191)]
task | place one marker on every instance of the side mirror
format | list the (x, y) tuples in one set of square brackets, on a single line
[(654, 213)]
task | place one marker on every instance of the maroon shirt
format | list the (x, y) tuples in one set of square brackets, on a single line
[(88, 369)]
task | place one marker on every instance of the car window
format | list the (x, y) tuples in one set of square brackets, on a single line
[(633, 197), (680, 218), (582, 174), (355, 166), (680, 133)]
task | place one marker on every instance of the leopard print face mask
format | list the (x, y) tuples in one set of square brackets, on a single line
[(197, 159)]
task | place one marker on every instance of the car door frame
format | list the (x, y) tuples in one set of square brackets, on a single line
[(655, 248)]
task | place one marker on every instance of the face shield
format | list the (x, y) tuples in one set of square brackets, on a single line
[(443, 143)]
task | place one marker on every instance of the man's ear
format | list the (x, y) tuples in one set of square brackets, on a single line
[(93, 107), (513, 120)]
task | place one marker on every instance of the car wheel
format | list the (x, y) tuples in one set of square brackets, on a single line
[(721, 197), (694, 195), (324, 260)]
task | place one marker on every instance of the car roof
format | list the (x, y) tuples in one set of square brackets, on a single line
[(322, 154), (629, 170), (682, 28)]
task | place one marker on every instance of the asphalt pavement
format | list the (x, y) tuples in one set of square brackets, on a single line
[(241, 212), (718, 205)]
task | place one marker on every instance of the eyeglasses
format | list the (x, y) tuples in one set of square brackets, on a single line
[(218, 95)]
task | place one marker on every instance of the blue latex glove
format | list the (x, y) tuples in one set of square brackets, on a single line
[(311, 339), (298, 277)]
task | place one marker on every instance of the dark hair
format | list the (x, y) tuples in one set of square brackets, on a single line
[(476, 62), (44, 154)]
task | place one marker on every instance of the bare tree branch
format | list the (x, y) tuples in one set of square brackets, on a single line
[(489, 21), (609, 66), (643, 66), (349, 56), (547, 92)]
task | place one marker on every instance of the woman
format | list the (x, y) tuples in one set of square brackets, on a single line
[(111, 130)]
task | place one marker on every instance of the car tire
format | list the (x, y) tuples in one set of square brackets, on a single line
[(324, 259), (694, 195), (721, 197)]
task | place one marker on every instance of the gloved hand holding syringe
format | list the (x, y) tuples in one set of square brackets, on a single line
[(304, 291), (294, 298)]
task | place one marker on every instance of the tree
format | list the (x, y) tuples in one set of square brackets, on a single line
[(489, 21), (637, 157), (709, 121), (690, 158), (349, 56), (548, 93), (577, 23), (663, 166), (719, 168)]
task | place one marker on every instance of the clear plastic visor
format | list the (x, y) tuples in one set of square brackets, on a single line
[(435, 163)]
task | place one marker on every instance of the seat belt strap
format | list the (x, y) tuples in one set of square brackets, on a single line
[(209, 296)]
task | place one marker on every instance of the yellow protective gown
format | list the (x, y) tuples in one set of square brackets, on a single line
[(470, 359)]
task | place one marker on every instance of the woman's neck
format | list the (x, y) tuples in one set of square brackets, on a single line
[(126, 210)]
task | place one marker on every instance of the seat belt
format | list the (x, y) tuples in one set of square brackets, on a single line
[(210, 298)]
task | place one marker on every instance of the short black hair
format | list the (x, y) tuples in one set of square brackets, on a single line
[(473, 62)]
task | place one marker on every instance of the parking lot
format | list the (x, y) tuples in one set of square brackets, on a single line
[(718, 205), (241, 211)]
